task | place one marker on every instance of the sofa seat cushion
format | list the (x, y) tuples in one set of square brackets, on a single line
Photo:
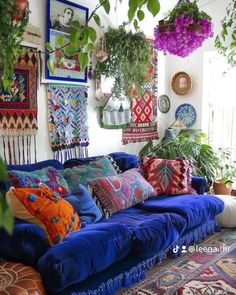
[(195, 209), (83, 253), (152, 232)]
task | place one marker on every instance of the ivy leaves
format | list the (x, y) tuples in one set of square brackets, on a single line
[(6, 218), (82, 38), (225, 42), (136, 13)]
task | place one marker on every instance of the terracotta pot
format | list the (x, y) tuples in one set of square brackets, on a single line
[(221, 188), (163, 27)]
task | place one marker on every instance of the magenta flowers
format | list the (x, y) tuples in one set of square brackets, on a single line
[(183, 35)]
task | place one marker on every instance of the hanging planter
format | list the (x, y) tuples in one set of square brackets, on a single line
[(14, 16), (184, 30)]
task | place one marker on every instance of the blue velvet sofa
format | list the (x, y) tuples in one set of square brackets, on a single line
[(113, 253)]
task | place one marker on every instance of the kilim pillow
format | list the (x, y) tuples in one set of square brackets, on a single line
[(50, 176), (122, 191), (42, 207), (169, 177), (83, 173)]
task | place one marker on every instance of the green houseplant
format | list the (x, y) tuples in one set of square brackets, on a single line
[(128, 60), (225, 42), (6, 218), (14, 16), (83, 37), (191, 146), (226, 172)]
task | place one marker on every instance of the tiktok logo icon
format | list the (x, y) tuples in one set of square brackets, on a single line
[(176, 249)]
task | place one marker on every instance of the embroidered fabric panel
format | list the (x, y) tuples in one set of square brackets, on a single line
[(68, 125), (143, 126), (18, 111)]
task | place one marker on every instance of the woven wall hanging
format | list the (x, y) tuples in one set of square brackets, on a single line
[(68, 125), (18, 112), (143, 126)]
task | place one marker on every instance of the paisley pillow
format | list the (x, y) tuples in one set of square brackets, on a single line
[(118, 192), (46, 209), (50, 176)]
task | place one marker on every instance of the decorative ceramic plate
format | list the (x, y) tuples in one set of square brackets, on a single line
[(163, 104), (186, 113), (181, 83)]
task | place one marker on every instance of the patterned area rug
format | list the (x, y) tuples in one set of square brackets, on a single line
[(206, 269)]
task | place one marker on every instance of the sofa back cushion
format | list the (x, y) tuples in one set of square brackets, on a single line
[(42, 207), (118, 192), (50, 176), (168, 177), (83, 173), (84, 205)]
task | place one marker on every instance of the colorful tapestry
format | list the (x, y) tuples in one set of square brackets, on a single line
[(143, 126), (68, 121), (207, 268), (18, 112)]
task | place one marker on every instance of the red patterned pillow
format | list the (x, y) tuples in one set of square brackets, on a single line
[(125, 190), (169, 177)]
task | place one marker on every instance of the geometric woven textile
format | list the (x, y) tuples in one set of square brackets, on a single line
[(68, 126), (18, 111), (143, 126)]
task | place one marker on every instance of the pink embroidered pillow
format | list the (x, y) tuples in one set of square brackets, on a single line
[(168, 177), (125, 190)]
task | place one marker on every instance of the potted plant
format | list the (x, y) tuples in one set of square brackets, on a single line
[(226, 172), (128, 60), (184, 29), (225, 42), (193, 146), (14, 16)]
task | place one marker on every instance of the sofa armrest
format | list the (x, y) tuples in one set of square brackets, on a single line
[(199, 184), (26, 244)]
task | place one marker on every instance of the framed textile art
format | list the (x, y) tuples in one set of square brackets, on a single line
[(143, 126), (68, 128), (60, 14), (18, 111)]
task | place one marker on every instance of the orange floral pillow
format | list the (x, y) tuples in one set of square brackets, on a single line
[(50, 212)]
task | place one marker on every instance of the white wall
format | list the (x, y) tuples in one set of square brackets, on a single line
[(101, 140), (193, 65)]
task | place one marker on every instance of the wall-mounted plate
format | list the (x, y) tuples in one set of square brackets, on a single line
[(181, 83), (163, 104), (187, 114)]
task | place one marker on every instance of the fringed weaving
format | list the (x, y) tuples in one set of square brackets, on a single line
[(18, 112), (143, 126), (68, 125)]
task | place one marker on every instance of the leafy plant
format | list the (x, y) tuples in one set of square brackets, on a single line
[(191, 146), (128, 60), (14, 16), (6, 218), (83, 37), (226, 171), (225, 42)]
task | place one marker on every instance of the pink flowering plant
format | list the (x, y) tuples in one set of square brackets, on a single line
[(184, 30)]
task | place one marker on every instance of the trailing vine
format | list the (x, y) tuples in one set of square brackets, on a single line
[(225, 42), (128, 60)]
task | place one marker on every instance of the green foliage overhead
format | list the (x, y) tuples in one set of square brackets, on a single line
[(11, 33), (188, 145), (82, 38), (225, 42), (128, 60)]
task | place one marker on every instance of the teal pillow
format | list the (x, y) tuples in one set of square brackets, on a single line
[(83, 173)]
